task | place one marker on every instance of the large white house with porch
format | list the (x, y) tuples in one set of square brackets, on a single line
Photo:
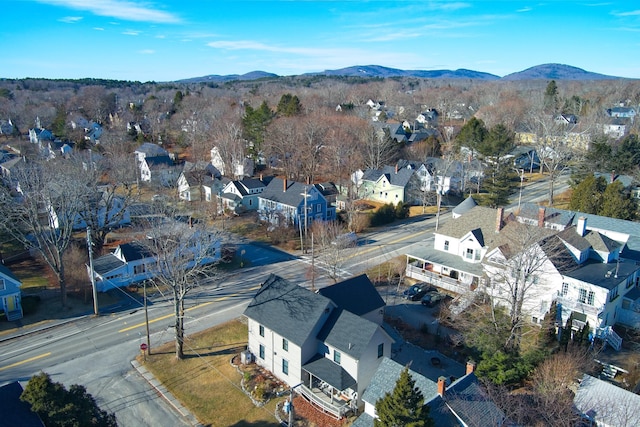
[(327, 344)]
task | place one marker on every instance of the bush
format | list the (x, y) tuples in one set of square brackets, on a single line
[(384, 215), (30, 304)]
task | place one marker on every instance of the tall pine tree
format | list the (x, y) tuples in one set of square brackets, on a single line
[(404, 407)]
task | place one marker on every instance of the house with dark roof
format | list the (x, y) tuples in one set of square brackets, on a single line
[(160, 170), (10, 300), (390, 184), (242, 195), (454, 401), (308, 340), (134, 262), (198, 182), (285, 202)]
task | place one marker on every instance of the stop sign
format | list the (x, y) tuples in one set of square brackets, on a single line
[(143, 346)]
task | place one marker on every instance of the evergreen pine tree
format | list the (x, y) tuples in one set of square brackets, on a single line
[(404, 407)]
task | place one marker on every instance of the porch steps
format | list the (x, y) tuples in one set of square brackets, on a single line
[(14, 315)]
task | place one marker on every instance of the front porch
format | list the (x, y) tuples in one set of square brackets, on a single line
[(328, 387), (423, 271)]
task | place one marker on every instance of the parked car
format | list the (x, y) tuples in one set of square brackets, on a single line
[(346, 240), (432, 298), (417, 291)]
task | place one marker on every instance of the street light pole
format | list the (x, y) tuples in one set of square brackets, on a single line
[(91, 273), (520, 196)]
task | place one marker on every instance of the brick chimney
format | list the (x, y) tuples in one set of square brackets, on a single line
[(441, 385), (471, 366), (396, 168), (499, 217), (581, 227), (541, 214), (284, 185)]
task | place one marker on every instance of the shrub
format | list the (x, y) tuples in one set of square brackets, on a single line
[(30, 304)]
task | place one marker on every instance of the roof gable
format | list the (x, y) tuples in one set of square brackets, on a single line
[(357, 295), (347, 332), (288, 309)]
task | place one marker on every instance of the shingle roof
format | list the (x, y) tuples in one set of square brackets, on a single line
[(288, 309), (294, 195), (606, 403), (400, 179), (150, 149), (347, 332), (158, 161), (551, 215), (357, 295), (106, 263), (478, 218), (4, 270), (606, 276), (134, 251), (468, 400), (14, 411), (465, 206), (330, 372)]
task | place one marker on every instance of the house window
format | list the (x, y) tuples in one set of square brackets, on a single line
[(285, 344), (477, 255), (469, 253), (261, 330), (613, 294), (250, 202), (565, 289), (336, 356), (261, 353), (318, 208), (2, 285), (590, 297), (139, 269), (582, 295), (285, 367), (380, 350), (446, 245)]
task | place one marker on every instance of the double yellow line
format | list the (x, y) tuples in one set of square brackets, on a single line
[(167, 316), (31, 359)]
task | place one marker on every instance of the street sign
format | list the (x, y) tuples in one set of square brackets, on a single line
[(143, 346)]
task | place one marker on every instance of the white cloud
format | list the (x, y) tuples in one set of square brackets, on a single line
[(70, 19), (131, 33), (98, 28), (252, 45), (121, 9), (630, 13), (524, 9)]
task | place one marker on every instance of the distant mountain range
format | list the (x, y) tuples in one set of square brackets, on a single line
[(539, 72)]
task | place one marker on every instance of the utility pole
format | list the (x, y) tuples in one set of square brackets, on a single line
[(146, 316), (93, 278), (313, 268)]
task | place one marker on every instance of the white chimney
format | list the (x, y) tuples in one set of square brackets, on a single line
[(581, 227)]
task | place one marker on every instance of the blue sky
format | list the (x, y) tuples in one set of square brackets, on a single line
[(163, 40)]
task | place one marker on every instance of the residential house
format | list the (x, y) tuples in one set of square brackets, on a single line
[(524, 157), (6, 127), (590, 271), (10, 294), (606, 405), (457, 400), (242, 195), (454, 263), (616, 127), (283, 202), (391, 184), (40, 136), (149, 149), (308, 341), (196, 182), (566, 119), (159, 170), (107, 209), (239, 168), (428, 117), (622, 112), (134, 262)]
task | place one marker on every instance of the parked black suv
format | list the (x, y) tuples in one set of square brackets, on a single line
[(432, 298), (417, 291)]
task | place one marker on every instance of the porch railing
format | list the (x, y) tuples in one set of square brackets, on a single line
[(336, 411), (443, 282)]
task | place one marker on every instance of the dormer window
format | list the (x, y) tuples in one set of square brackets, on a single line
[(446, 245), (469, 254)]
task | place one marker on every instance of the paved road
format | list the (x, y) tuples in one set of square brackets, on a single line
[(96, 352)]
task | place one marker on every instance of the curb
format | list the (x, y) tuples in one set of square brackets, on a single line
[(166, 394)]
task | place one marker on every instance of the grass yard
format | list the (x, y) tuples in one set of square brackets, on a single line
[(206, 382)]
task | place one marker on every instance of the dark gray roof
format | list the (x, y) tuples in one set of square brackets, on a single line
[(468, 400), (633, 294), (419, 360), (400, 178), (14, 411), (134, 251), (150, 149), (348, 333), (357, 295), (385, 378), (293, 196), (465, 206), (158, 161), (600, 242), (106, 263), (571, 236), (329, 372), (288, 309), (551, 215), (606, 276)]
